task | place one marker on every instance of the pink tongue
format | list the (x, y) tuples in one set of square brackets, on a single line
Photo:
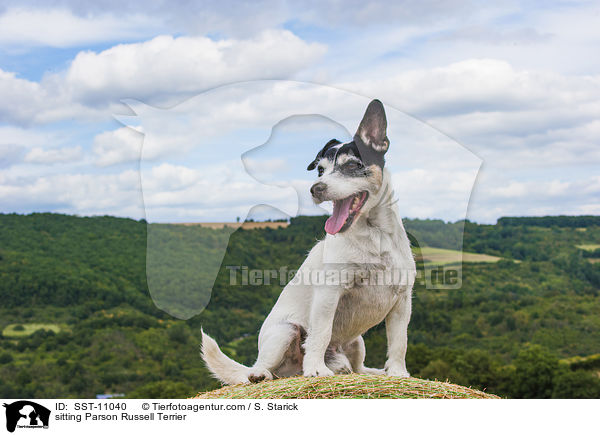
[(341, 211)]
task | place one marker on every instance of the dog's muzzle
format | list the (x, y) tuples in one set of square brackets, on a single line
[(318, 190)]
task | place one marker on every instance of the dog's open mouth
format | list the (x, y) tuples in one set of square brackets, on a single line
[(344, 212)]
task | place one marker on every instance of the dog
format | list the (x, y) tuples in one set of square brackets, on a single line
[(316, 328)]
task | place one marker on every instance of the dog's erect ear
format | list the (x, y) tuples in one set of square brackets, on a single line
[(372, 128), (321, 153)]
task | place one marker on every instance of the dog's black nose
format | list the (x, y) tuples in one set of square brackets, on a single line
[(317, 189)]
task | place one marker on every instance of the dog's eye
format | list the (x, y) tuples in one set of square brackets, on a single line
[(353, 164), (321, 170)]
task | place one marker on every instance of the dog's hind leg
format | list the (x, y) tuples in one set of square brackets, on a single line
[(356, 352), (274, 348)]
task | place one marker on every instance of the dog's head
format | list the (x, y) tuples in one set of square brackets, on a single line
[(351, 174)]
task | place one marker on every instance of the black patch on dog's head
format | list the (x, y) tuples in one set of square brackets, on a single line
[(326, 152), (353, 168), (370, 142)]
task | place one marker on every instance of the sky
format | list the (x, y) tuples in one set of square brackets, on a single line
[(207, 111)]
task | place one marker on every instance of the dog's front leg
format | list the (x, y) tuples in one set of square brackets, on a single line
[(396, 327), (322, 311)]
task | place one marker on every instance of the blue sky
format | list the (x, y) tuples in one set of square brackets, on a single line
[(499, 99)]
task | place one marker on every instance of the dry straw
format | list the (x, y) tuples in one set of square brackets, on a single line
[(347, 387)]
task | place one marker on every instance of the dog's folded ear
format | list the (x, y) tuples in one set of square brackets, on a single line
[(372, 129), (312, 165)]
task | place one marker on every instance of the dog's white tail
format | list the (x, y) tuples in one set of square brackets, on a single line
[(220, 365)]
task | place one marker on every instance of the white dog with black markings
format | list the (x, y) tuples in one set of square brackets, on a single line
[(316, 328)]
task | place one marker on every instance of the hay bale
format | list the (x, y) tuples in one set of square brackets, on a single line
[(351, 386)]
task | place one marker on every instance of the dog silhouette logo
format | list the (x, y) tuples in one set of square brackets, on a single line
[(26, 414)]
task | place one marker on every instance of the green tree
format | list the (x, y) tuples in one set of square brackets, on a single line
[(178, 333), (6, 358), (536, 368), (576, 385)]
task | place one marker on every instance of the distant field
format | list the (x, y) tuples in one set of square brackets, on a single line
[(28, 329), (441, 257), (244, 225), (590, 247)]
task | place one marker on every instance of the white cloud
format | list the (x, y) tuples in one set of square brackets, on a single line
[(19, 98), (163, 70), (516, 120), (380, 12), (171, 193), (268, 165), (10, 154), (480, 86), (57, 155), (479, 34), (117, 146), (167, 178), (214, 192), (226, 17), (496, 196), (24, 102), (85, 194), (62, 28), (424, 193), (180, 66), (11, 135), (19, 145)]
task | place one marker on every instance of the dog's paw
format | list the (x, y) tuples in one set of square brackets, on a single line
[(317, 371), (399, 372), (396, 369), (259, 375)]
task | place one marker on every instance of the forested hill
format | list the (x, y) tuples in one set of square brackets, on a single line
[(77, 319), (552, 221)]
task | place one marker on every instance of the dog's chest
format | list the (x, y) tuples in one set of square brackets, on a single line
[(379, 271), (361, 308), (375, 290)]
